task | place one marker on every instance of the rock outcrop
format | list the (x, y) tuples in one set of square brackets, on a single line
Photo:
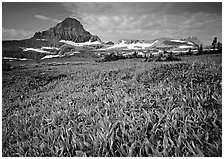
[(110, 43)]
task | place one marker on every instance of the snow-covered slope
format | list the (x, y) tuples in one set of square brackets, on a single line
[(49, 48), (35, 49), (148, 44), (131, 46), (12, 58), (51, 56), (80, 44), (43, 49), (181, 41), (185, 46)]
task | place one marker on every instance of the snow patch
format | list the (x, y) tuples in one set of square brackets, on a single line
[(42, 39), (123, 42), (50, 48), (73, 53), (134, 46), (80, 44), (12, 58), (51, 56), (36, 50), (76, 52), (141, 53), (190, 43), (184, 51), (185, 46), (179, 41)]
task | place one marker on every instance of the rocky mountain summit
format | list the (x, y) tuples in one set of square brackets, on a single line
[(69, 29)]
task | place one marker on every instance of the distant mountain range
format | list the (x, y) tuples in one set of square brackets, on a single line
[(69, 36), (160, 43)]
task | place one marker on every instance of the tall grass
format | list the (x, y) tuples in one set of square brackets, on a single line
[(123, 108)]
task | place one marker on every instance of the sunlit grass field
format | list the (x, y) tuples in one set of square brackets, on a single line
[(121, 108)]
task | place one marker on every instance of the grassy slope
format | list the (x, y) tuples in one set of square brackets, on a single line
[(122, 108)]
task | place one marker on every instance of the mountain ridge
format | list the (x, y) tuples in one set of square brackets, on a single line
[(70, 36), (69, 29)]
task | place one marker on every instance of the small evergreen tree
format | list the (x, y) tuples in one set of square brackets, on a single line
[(145, 56), (214, 42), (200, 49), (135, 54), (170, 56), (219, 46), (38, 58), (189, 51)]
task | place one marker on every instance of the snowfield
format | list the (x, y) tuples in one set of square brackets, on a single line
[(184, 51), (141, 54), (36, 50), (57, 56), (76, 52), (12, 58), (180, 41), (42, 39), (50, 48), (134, 46), (79, 44), (185, 46), (43, 49), (51, 56)]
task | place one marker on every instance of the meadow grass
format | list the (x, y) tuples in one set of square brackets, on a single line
[(122, 108)]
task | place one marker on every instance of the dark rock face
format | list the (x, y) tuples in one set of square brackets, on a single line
[(94, 38), (110, 43), (69, 29)]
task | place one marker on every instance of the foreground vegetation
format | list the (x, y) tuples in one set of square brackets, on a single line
[(120, 108)]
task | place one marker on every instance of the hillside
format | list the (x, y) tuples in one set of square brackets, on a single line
[(125, 108)]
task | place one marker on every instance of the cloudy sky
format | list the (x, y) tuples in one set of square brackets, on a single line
[(116, 20)]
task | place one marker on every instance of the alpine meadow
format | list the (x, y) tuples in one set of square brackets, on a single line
[(125, 92)]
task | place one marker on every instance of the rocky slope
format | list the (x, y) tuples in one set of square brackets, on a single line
[(110, 43), (69, 29)]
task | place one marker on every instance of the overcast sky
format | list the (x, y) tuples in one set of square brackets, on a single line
[(114, 20)]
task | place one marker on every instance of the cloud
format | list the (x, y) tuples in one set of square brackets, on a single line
[(113, 8), (139, 8), (12, 34), (42, 17), (112, 21)]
